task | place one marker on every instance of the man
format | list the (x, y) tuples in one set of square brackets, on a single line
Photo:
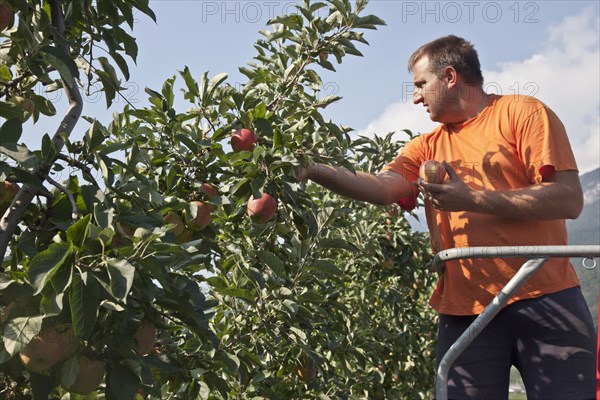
[(513, 180)]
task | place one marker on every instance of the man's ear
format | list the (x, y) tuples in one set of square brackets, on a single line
[(451, 76)]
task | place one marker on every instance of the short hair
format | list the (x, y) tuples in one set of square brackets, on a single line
[(452, 51)]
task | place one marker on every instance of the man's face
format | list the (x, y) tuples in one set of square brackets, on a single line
[(430, 90)]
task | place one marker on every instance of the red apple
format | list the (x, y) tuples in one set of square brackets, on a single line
[(243, 139), (7, 16), (199, 215), (388, 264), (306, 373), (15, 308), (186, 236), (261, 209), (8, 191), (49, 348), (306, 368), (432, 171), (175, 219), (89, 375), (210, 191), (145, 337), (5, 315)]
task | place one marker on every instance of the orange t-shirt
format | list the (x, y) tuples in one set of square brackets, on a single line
[(509, 145)]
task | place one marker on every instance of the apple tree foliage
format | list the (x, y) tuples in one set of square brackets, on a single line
[(327, 300)]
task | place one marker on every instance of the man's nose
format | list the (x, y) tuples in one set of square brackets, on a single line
[(417, 96)]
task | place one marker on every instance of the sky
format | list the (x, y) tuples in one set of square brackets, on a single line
[(549, 49)]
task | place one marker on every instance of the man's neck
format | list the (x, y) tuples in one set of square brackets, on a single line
[(471, 103)]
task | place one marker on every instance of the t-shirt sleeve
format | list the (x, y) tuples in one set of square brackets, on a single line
[(543, 144), (407, 164)]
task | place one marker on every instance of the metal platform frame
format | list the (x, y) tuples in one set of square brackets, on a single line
[(536, 257)]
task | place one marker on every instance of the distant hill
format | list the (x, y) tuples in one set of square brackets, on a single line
[(586, 230)]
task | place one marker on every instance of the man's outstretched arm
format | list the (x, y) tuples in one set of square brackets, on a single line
[(382, 189)]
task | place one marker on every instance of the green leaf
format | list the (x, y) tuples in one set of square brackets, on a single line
[(109, 78), (11, 131), (191, 84), (78, 232), (325, 266), (42, 385), (264, 126), (94, 136), (19, 331), (62, 62), (68, 372), (5, 73), (215, 82), (238, 293), (339, 5), (121, 274), (337, 243), (143, 6), (62, 277), (230, 361), (368, 22), (46, 263), (131, 47), (215, 381), (359, 5), (273, 262), (84, 301), (121, 383), (277, 138), (9, 110), (44, 105), (52, 302), (5, 282), (327, 101), (121, 63)]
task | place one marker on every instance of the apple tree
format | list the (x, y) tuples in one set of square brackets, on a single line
[(174, 262)]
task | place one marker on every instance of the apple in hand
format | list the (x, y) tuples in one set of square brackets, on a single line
[(432, 171), (243, 139), (261, 209), (49, 348)]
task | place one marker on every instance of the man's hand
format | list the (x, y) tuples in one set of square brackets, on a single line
[(557, 198), (453, 195), (301, 173)]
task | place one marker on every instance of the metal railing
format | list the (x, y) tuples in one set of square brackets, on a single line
[(536, 257)]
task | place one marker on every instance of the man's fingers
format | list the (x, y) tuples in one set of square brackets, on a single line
[(451, 173), (427, 187), (301, 174)]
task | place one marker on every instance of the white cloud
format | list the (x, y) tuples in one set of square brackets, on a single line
[(399, 116), (564, 74)]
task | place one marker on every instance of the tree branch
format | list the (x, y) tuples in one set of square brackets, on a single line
[(14, 214)]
